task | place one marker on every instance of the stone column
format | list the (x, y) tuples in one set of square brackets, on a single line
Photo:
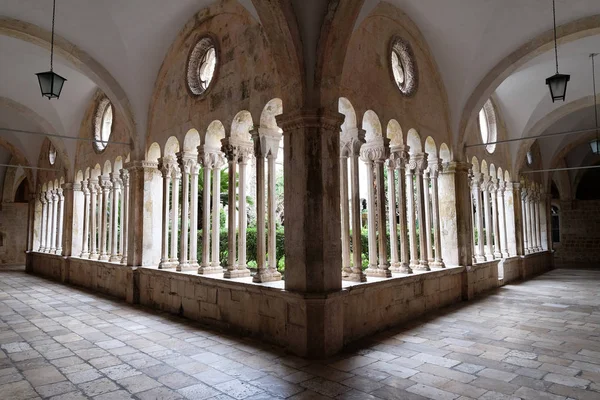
[(392, 217), (31, 222), (54, 217), (185, 167), (516, 217), (427, 212), (476, 193), (60, 218), (44, 222), (194, 170), (357, 274), (106, 186), (420, 161), (312, 209), (493, 192), (533, 219), (372, 234), (124, 216), (489, 247), (539, 222), (176, 177), (85, 249), (345, 212), (383, 269), (93, 187), (502, 216), (114, 213), (266, 145), (144, 226), (232, 154), (410, 212), (242, 267), (435, 166), (207, 166), (217, 163), (524, 212), (399, 156), (166, 168)]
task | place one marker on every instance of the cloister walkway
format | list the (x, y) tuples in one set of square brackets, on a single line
[(535, 340)]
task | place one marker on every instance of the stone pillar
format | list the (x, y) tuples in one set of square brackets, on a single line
[(427, 212), (392, 216), (357, 274), (242, 267), (124, 215), (345, 212), (383, 269), (106, 186), (53, 217), (516, 215), (420, 161), (166, 168), (50, 223), (489, 247), (61, 215), (44, 222), (476, 193), (435, 166), (539, 221), (31, 221), (502, 219), (524, 212), (266, 145), (85, 249), (232, 154), (312, 216), (185, 167), (399, 156), (114, 213), (493, 192), (372, 234), (217, 163), (410, 213), (143, 227), (175, 177), (194, 170), (93, 188), (207, 166)]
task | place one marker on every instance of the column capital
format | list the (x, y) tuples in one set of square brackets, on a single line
[(266, 141), (417, 162), (43, 198), (141, 165), (310, 118), (125, 177), (212, 158), (453, 167), (376, 151), (398, 156), (434, 165), (105, 182), (351, 141), (59, 193), (68, 186), (237, 149), (187, 161)]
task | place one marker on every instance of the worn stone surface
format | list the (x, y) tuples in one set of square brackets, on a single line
[(579, 233), (472, 350), (13, 233)]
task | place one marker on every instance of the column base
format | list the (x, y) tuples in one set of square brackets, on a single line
[(346, 271), (423, 266), (506, 254), (236, 273), (84, 255), (210, 269), (114, 258), (402, 268), (266, 276), (185, 266), (497, 255), (103, 257), (94, 256), (124, 260), (166, 265), (380, 273), (52, 251), (58, 252), (437, 264), (489, 257), (479, 259), (355, 277)]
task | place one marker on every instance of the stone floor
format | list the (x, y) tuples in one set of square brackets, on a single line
[(536, 340)]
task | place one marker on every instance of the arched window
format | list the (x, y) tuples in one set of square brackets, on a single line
[(52, 154), (555, 224), (529, 158), (103, 124), (487, 126)]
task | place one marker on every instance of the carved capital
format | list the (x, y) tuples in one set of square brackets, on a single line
[(305, 119), (125, 177)]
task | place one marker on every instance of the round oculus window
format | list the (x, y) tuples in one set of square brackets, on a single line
[(52, 154), (404, 68), (202, 66), (103, 125)]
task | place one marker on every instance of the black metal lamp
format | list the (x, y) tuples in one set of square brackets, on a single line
[(595, 144), (51, 84), (558, 82)]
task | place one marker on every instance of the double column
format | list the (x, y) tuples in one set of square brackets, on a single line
[(106, 186), (374, 153), (123, 238), (266, 146), (238, 152), (116, 186), (44, 222), (60, 215), (350, 144), (495, 218), (435, 165), (476, 195), (397, 200), (487, 188), (500, 196), (416, 165), (188, 164), (170, 204)]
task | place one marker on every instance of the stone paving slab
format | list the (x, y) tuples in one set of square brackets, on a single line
[(538, 339)]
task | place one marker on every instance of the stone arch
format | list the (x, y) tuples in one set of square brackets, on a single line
[(78, 176), (371, 125), (153, 153), (171, 147), (96, 172), (86, 174), (107, 168), (445, 154), (413, 140), (493, 171), (430, 148), (346, 108), (242, 125), (44, 187), (394, 133), (484, 168), (475, 165), (79, 60), (118, 165), (191, 141), (272, 109), (574, 30), (214, 133), (500, 175), (506, 176)]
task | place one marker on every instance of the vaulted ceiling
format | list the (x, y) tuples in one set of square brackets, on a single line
[(469, 40)]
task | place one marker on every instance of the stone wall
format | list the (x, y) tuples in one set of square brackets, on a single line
[(579, 234), (282, 317), (13, 229)]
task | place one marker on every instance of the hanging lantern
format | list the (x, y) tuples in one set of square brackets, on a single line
[(51, 84), (557, 83)]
